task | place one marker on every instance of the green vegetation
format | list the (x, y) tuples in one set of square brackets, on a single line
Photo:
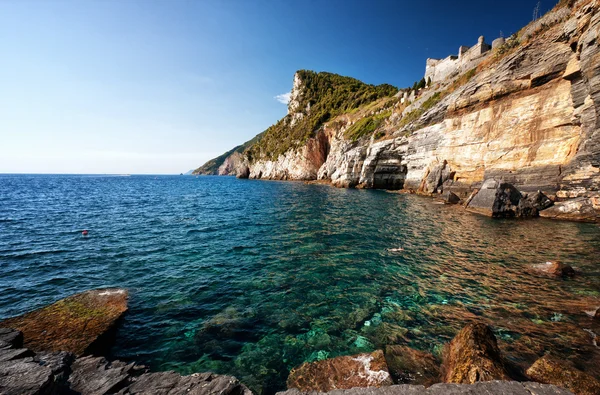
[(212, 166), (367, 125), (324, 96), (416, 114)]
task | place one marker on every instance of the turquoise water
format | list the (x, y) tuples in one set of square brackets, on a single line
[(252, 278)]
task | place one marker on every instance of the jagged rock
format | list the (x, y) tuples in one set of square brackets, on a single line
[(196, 384), (540, 201), (10, 338), (496, 199), (59, 363), (76, 324), (555, 268), (24, 376), (473, 355), (362, 370), (410, 366), (450, 198), (11, 354), (578, 209), (550, 371), (487, 388), (436, 178), (96, 376)]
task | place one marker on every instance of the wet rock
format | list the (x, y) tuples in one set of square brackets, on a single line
[(496, 199), (450, 198), (77, 324), (10, 338), (578, 209), (23, 376), (410, 366), (473, 355), (555, 268), (362, 370), (195, 384), (551, 371)]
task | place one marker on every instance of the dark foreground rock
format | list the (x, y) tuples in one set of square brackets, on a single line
[(487, 388), (57, 373), (578, 209), (77, 324), (551, 371), (473, 355), (410, 366), (500, 200), (362, 370)]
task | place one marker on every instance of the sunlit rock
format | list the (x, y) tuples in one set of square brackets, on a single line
[(551, 371), (362, 370), (79, 324), (410, 366)]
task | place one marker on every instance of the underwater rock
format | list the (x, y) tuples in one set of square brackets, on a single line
[(473, 355), (555, 268), (79, 324), (362, 370), (410, 366), (551, 371)]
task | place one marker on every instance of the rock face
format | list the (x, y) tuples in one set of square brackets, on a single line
[(362, 370), (410, 366), (550, 371), (527, 116), (496, 199), (473, 355), (578, 209), (491, 387), (77, 324)]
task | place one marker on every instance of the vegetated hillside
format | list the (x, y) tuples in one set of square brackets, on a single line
[(212, 166), (527, 114), (316, 98)]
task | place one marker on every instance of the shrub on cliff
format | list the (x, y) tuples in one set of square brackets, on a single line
[(323, 96)]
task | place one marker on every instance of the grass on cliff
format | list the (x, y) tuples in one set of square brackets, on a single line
[(367, 125), (324, 96)]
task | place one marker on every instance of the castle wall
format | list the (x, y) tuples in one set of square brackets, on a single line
[(469, 58)]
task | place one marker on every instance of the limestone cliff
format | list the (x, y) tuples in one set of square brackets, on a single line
[(528, 115)]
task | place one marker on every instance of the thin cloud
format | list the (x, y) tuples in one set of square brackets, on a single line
[(284, 98)]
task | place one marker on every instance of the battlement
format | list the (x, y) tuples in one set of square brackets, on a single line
[(468, 58)]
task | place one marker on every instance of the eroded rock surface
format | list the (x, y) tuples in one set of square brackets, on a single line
[(362, 370), (410, 366), (473, 355), (551, 371), (578, 209), (75, 324)]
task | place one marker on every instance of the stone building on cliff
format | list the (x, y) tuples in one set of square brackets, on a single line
[(468, 58)]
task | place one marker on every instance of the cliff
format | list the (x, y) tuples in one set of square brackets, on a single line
[(526, 115)]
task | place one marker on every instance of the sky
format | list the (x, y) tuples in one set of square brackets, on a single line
[(162, 86)]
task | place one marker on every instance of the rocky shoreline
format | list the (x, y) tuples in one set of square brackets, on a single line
[(48, 358)]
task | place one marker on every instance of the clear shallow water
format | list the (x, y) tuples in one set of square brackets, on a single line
[(252, 278)]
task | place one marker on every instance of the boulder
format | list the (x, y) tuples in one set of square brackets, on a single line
[(77, 324), (437, 176), (362, 370), (578, 209), (410, 366), (540, 201), (450, 198), (551, 371), (555, 268), (473, 355), (500, 200)]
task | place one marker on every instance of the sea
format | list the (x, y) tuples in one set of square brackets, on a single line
[(252, 278)]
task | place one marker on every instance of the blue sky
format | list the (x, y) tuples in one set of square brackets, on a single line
[(152, 87)]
